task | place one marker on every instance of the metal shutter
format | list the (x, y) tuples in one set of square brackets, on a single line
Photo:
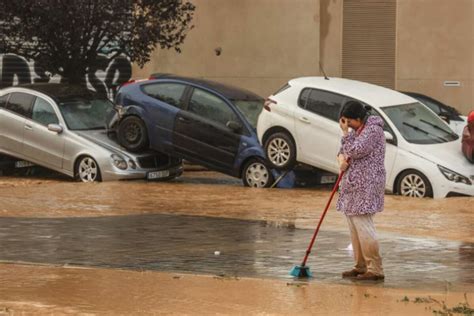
[(368, 49)]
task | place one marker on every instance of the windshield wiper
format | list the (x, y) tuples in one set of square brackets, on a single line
[(439, 128), (416, 128)]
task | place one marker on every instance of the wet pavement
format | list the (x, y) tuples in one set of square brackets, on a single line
[(248, 248)]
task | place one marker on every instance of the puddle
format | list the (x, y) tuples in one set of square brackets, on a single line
[(226, 247)]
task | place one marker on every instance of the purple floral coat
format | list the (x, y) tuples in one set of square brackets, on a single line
[(363, 184)]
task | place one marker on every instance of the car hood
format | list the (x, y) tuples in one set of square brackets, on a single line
[(447, 154), (99, 137)]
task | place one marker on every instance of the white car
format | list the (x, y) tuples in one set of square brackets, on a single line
[(423, 155)]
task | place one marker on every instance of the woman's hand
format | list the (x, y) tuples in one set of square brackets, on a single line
[(344, 126), (343, 164)]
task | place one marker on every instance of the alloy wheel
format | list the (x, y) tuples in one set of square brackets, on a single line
[(413, 185), (278, 152), (88, 170)]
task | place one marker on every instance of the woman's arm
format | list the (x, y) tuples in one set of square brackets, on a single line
[(358, 147)]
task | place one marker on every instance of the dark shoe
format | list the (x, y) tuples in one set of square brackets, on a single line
[(369, 276), (351, 274)]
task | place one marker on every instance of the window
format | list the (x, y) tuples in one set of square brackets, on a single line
[(304, 97), (210, 106), (3, 100), (325, 103), (170, 93), (418, 125), (432, 105), (20, 103), (43, 113)]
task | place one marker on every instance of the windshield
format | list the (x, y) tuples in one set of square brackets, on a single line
[(85, 113), (250, 109), (418, 125)]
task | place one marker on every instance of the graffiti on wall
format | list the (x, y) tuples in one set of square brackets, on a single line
[(104, 78)]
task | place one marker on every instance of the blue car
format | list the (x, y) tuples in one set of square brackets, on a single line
[(204, 122)]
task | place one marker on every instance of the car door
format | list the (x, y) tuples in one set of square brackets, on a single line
[(317, 128), (12, 122), (164, 100), (39, 143), (201, 132)]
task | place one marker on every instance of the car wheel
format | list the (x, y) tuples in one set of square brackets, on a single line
[(87, 170), (132, 134), (281, 151), (256, 174), (414, 184)]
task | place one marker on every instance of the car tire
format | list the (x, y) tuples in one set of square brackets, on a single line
[(132, 134), (257, 174), (280, 149), (87, 170), (413, 183)]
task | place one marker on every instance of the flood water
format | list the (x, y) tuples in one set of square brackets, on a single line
[(248, 248)]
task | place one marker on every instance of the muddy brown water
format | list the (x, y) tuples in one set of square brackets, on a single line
[(178, 225), (246, 248)]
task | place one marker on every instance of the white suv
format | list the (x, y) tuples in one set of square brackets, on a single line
[(423, 155)]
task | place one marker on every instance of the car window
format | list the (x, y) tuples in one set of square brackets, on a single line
[(43, 112), (433, 106), (325, 103), (86, 112), (418, 125), (212, 107), (304, 97), (20, 103), (170, 93), (3, 100)]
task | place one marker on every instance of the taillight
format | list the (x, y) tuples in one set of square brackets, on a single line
[(268, 103)]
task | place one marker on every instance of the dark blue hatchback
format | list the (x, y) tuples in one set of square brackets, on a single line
[(205, 122)]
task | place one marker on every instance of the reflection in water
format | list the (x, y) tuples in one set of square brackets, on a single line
[(247, 248)]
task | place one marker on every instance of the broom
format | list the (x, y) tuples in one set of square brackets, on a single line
[(302, 271)]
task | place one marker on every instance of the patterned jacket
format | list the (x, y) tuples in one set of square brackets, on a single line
[(363, 185)]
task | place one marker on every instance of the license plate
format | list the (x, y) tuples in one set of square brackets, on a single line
[(158, 174), (328, 179), (23, 164)]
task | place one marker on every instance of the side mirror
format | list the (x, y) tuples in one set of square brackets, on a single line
[(55, 128), (388, 136), (234, 126)]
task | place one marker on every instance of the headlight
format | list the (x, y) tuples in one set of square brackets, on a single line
[(118, 161), (132, 164), (454, 176)]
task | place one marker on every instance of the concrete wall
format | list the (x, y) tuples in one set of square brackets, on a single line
[(435, 43), (263, 44)]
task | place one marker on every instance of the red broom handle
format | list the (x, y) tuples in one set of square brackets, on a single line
[(322, 217)]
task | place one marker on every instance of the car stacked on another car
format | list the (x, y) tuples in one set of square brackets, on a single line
[(423, 155), (205, 122), (63, 128)]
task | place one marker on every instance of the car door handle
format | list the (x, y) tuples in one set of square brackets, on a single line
[(28, 127), (304, 120), (184, 120)]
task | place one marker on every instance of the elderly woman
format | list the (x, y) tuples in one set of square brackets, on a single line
[(362, 188)]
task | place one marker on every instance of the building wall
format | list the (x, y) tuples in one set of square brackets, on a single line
[(331, 37), (266, 42), (435, 43), (263, 44)]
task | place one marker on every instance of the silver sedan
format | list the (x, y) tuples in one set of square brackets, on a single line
[(62, 127)]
